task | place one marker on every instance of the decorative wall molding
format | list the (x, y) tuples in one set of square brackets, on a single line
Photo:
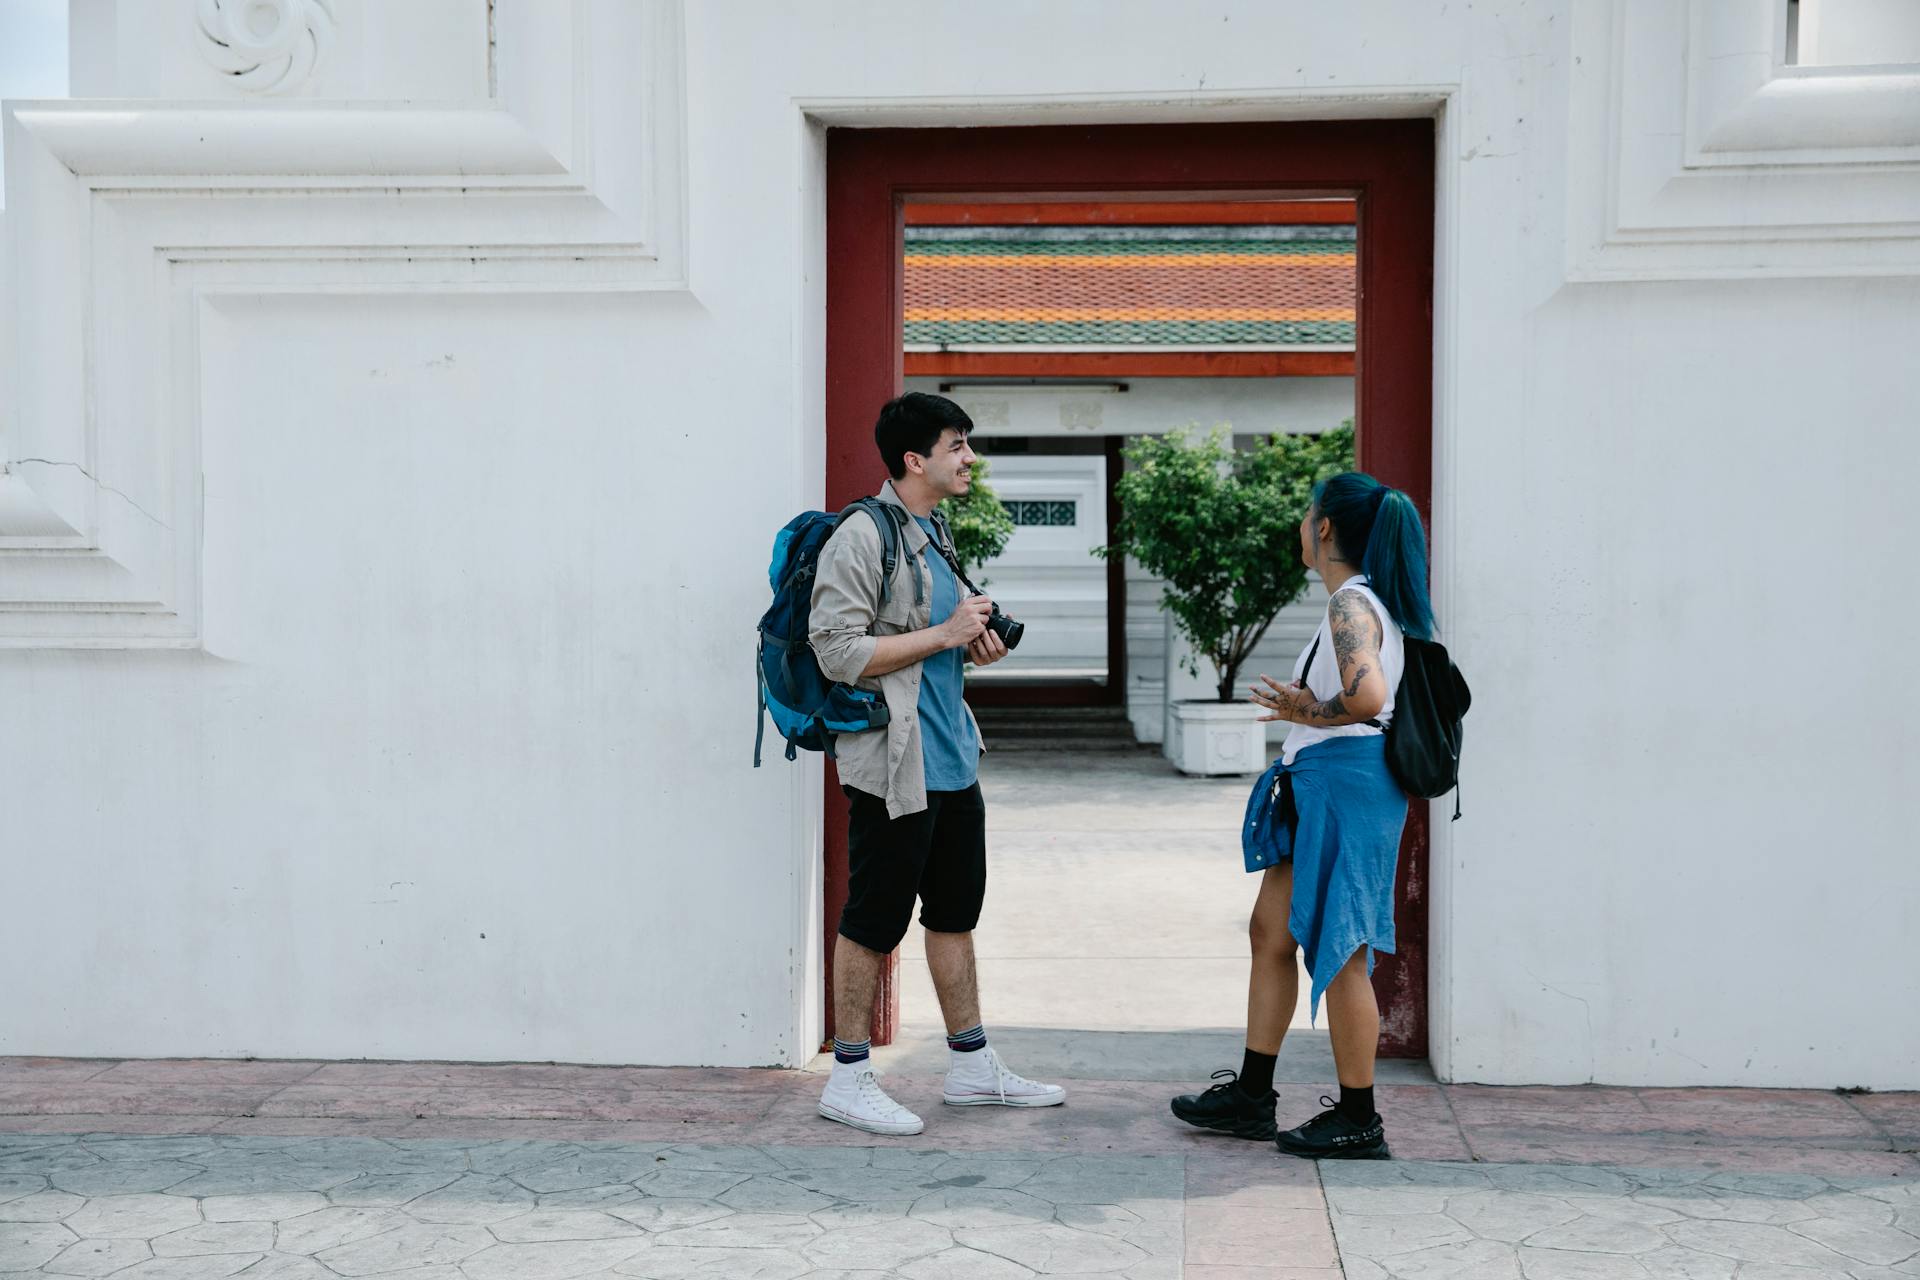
[(1697, 151), (122, 214), (266, 46)]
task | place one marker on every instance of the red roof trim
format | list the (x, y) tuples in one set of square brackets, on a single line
[(1163, 213)]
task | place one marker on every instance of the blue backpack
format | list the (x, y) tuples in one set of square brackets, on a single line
[(807, 708)]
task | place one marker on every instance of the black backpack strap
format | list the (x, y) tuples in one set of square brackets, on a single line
[(1306, 673)]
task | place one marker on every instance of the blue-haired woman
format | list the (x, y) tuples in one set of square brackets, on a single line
[(1323, 824)]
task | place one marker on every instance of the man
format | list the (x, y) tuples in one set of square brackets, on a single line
[(918, 823)]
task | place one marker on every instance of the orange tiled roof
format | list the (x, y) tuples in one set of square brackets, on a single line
[(1129, 286)]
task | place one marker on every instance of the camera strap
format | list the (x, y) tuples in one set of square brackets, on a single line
[(942, 541)]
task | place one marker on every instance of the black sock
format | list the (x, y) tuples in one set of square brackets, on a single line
[(1256, 1074), (1356, 1104)]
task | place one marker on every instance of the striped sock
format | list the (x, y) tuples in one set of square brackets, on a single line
[(969, 1041), (851, 1050)]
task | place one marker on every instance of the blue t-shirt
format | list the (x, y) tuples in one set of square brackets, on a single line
[(947, 741)]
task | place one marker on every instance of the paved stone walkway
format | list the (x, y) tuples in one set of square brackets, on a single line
[(433, 1171)]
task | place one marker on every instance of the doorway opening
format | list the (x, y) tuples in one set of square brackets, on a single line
[(1072, 289)]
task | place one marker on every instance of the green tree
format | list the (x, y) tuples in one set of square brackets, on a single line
[(1222, 528), (980, 524)]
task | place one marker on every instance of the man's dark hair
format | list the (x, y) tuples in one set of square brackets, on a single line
[(912, 423)]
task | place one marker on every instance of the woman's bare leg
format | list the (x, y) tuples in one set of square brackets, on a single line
[(1273, 982), (1353, 1021)]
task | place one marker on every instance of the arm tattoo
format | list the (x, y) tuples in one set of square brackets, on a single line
[(1356, 644), (1355, 627)]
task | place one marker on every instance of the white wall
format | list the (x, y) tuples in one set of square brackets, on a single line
[(461, 670)]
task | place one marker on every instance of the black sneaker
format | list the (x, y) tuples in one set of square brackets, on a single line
[(1225, 1109), (1331, 1136)]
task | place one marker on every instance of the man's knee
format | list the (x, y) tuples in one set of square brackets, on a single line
[(880, 933)]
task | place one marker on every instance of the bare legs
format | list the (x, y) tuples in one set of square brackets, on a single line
[(955, 979), (856, 980), (1273, 982), (1353, 1020), (1273, 987)]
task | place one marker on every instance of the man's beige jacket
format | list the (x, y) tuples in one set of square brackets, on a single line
[(847, 615)]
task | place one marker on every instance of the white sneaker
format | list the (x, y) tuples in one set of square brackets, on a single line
[(980, 1079), (853, 1096)]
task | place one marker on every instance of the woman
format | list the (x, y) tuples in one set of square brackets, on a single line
[(1323, 824)]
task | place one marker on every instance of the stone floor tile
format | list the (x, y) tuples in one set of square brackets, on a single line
[(1755, 1242), (552, 1260), (206, 1070), (578, 1169), (473, 1200), (309, 1233), (883, 1247), (1674, 1263), (415, 1244), (543, 1225), (98, 1257), (25, 1245), (1599, 1235), (1381, 1237), (1468, 1260), (668, 1182), (15, 1070), (133, 1216), (745, 1231), (1051, 1248), (669, 1262), (122, 1177), (953, 1207), (1234, 1236), (666, 1215), (261, 1208), (389, 1188), (1560, 1264), (725, 1159), (211, 1267), (606, 1197), (215, 1237), (149, 1147), (96, 1098), (1509, 1216), (962, 1263), (1863, 1242), (42, 1206), (861, 1213)]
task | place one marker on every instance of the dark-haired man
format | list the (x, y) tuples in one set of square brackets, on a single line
[(917, 825)]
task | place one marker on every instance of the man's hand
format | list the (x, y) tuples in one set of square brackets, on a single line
[(986, 650), (968, 623)]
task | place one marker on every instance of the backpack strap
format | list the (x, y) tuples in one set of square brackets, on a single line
[(760, 721), (890, 522), (1306, 672)]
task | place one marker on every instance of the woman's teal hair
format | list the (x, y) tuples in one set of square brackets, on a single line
[(1376, 527)]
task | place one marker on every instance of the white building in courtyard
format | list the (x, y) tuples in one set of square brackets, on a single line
[(397, 405)]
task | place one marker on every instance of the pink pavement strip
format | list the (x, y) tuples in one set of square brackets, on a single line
[(1762, 1130)]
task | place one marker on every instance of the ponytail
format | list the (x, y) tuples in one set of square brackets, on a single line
[(1383, 523)]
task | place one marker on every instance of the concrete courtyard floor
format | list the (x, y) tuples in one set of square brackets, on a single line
[(1109, 962)]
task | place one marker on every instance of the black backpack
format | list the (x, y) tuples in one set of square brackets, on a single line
[(1423, 738)]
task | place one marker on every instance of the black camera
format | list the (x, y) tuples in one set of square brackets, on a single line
[(1008, 629)]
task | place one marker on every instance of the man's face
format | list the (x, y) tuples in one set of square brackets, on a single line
[(949, 468)]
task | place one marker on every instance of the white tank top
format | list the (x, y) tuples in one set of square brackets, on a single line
[(1324, 679)]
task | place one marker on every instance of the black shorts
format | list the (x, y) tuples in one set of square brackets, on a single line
[(938, 855)]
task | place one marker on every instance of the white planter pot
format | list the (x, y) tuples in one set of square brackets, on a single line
[(1210, 738)]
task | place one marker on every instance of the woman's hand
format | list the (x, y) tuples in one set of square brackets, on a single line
[(1285, 701)]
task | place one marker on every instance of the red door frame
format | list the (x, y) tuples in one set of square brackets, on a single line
[(1386, 165)]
